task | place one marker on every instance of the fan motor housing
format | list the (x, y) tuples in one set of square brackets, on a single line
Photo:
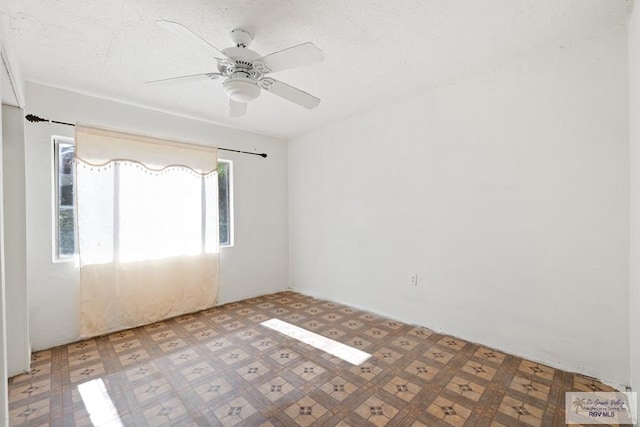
[(240, 62)]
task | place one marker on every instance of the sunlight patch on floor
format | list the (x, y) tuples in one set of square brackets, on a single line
[(99, 404), (335, 348)]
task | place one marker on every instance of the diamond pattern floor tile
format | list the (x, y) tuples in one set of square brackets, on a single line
[(221, 367)]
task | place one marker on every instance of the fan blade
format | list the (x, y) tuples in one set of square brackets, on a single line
[(296, 56), (189, 35), (186, 79), (237, 109), (290, 93)]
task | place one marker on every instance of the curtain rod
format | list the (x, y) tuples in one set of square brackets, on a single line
[(35, 119)]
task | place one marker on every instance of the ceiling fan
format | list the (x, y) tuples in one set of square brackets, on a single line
[(243, 71)]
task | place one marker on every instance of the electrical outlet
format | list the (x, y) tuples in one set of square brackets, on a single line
[(414, 280)]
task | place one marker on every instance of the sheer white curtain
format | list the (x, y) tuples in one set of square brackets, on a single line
[(147, 229)]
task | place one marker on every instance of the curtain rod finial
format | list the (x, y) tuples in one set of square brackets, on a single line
[(263, 155), (34, 119)]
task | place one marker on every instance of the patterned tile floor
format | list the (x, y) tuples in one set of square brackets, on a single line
[(221, 367)]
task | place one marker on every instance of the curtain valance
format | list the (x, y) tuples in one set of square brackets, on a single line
[(98, 147)]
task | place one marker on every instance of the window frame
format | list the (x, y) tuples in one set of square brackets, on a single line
[(56, 255), (57, 141)]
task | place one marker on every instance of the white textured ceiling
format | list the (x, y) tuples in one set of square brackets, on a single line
[(376, 51)]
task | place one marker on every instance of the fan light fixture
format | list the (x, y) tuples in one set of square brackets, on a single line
[(241, 89)]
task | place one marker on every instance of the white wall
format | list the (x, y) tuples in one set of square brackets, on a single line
[(15, 243), (257, 264), (507, 194), (634, 139)]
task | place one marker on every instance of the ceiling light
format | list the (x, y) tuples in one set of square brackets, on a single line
[(241, 89)]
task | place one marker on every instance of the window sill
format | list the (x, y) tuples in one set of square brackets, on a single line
[(73, 258)]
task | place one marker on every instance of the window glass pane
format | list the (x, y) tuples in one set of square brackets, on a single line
[(66, 230), (224, 204), (65, 199)]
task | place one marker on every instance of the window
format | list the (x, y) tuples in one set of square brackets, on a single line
[(64, 209), (64, 199), (225, 202)]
